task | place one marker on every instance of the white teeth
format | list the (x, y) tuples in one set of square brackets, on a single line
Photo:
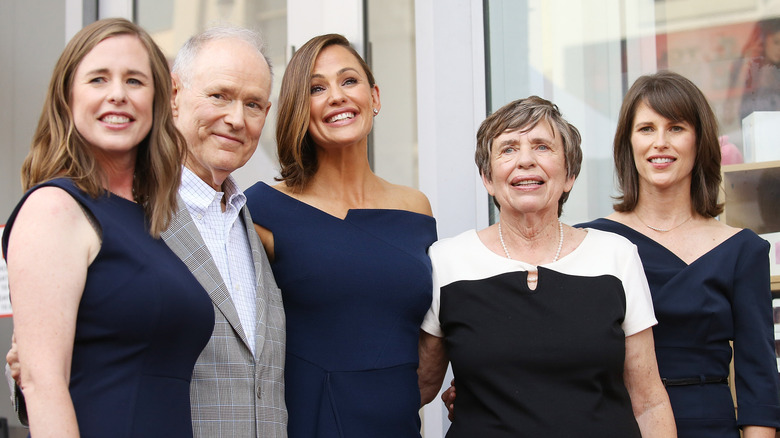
[(341, 116), (661, 160), (114, 119), (527, 183)]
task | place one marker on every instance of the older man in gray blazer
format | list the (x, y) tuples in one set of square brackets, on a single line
[(221, 97)]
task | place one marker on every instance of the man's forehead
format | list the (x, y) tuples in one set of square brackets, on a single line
[(229, 51), (216, 67)]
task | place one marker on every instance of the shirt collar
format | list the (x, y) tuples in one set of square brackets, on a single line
[(199, 195)]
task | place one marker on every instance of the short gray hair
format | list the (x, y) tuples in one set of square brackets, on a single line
[(182, 65), (523, 115)]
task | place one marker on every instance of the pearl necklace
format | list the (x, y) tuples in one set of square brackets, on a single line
[(661, 230), (557, 253)]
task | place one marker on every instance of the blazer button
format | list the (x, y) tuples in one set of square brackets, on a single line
[(259, 393)]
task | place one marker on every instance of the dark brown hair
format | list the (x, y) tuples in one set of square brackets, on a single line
[(678, 99)]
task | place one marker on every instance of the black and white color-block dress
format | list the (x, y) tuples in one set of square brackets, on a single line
[(544, 362)]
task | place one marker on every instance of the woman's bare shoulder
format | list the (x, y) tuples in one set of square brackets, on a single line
[(719, 230), (408, 198), (51, 203), (52, 218), (282, 187)]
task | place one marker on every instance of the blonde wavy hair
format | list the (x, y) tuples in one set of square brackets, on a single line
[(59, 150)]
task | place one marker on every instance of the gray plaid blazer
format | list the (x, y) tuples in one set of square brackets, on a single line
[(233, 393)]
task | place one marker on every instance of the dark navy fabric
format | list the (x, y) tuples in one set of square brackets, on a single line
[(355, 292), (722, 296), (142, 323)]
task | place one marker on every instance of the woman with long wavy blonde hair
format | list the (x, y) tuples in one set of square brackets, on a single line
[(108, 321)]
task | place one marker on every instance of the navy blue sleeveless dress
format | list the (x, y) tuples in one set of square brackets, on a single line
[(720, 297), (142, 323), (355, 293)]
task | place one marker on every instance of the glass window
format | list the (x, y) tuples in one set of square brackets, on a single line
[(390, 32), (391, 55), (583, 55)]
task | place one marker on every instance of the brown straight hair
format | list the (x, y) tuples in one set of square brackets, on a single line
[(295, 147), (676, 98)]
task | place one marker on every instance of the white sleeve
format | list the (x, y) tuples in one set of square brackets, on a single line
[(639, 302), (431, 324)]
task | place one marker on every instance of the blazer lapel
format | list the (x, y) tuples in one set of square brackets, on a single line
[(263, 278), (184, 239)]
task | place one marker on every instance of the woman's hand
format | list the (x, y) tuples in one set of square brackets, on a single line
[(448, 397), (14, 367)]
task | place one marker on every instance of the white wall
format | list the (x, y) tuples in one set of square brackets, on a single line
[(307, 18), (450, 106)]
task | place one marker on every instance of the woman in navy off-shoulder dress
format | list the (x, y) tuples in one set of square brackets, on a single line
[(108, 321), (709, 282), (348, 251)]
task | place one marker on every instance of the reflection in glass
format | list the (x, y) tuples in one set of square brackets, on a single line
[(584, 61), (391, 54)]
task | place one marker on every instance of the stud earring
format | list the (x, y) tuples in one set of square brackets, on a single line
[(376, 111)]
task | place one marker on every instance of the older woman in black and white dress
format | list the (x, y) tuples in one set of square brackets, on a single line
[(548, 327)]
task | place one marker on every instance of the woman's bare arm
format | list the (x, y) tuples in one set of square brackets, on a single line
[(50, 248)]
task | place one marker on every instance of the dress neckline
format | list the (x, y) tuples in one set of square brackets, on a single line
[(659, 245), (350, 211), (117, 196)]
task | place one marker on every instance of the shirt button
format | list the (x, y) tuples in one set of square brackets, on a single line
[(200, 217)]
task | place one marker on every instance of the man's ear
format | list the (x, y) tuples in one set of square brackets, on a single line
[(175, 89)]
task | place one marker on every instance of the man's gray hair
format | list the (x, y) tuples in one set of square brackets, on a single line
[(182, 65)]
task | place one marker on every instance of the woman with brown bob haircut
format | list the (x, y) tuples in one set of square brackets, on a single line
[(296, 148), (709, 281), (675, 98), (108, 321), (348, 251)]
